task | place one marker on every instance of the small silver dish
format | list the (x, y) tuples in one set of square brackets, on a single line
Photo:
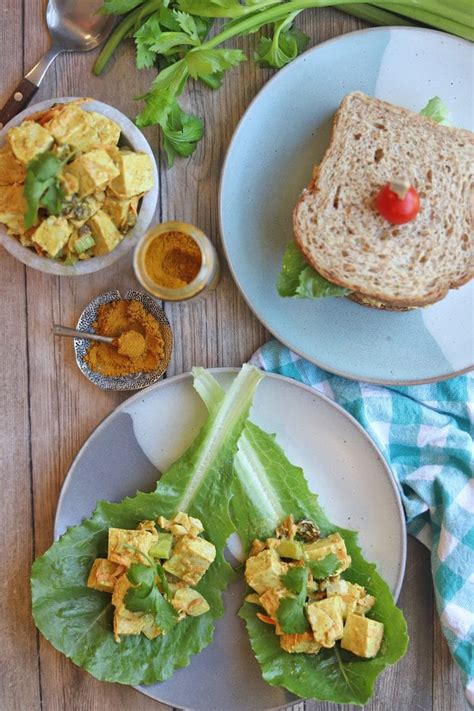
[(135, 381)]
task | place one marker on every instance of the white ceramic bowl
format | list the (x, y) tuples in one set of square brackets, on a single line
[(131, 137)]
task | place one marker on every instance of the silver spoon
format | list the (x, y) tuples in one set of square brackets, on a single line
[(74, 26), (65, 331)]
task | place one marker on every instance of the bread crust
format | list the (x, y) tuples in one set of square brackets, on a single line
[(433, 295)]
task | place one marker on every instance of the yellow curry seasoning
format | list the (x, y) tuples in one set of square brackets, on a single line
[(173, 259), (138, 345)]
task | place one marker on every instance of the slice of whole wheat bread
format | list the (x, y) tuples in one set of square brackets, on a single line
[(341, 234)]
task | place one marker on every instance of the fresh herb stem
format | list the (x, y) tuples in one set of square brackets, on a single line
[(122, 30)]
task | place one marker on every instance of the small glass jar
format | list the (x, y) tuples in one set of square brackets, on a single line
[(206, 278)]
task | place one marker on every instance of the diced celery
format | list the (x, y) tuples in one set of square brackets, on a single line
[(162, 548)]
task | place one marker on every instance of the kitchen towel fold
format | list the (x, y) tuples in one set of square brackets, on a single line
[(425, 434)]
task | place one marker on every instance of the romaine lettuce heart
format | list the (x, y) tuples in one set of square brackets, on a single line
[(78, 620)]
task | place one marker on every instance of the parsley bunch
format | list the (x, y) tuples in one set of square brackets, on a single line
[(291, 611), (42, 186), (176, 37)]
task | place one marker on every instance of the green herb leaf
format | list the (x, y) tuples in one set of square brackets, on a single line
[(437, 110), (161, 98), (290, 613), (295, 580), (270, 489), (323, 568), (205, 62), (146, 597), (287, 42), (300, 280), (181, 132), (78, 621), (145, 38), (42, 187)]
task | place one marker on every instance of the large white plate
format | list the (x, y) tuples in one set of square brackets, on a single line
[(153, 428), (282, 135)]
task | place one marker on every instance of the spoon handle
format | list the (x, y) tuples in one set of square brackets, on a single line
[(19, 99), (72, 333), (27, 88)]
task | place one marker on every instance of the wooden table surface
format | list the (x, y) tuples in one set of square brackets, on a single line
[(49, 408)]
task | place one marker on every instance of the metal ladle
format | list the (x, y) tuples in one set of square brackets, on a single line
[(74, 26)]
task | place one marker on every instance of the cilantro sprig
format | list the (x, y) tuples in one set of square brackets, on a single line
[(42, 186), (146, 596), (291, 611)]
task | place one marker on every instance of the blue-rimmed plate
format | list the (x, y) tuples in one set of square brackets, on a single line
[(282, 135), (145, 434)]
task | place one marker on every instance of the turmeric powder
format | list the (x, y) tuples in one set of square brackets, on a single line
[(138, 335), (173, 260)]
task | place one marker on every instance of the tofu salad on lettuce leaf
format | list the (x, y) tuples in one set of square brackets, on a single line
[(78, 620), (299, 280), (271, 489)]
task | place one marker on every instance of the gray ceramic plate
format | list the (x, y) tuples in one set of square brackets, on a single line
[(150, 430), (131, 137), (284, 132)]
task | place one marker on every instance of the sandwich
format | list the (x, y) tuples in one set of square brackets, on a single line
[(386, 219)]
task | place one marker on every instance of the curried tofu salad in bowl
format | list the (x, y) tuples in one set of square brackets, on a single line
[(78, 186)]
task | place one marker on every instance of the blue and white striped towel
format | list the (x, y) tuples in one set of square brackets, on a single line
[(425, 434)]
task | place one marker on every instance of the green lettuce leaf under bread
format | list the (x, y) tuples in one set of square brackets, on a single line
[(78, 620), (270, 488)]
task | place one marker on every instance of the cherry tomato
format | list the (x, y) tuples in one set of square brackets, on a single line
[(396, 209), (266, 619)]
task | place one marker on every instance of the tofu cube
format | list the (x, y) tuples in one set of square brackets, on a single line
[(190, 602), (190, 559), (29, 139), (104, 574), (106, 235), (135, 174), (83, 130), (324, 546), (13, 208), (108, 131), (297, 643), (362, 636), (123, 213), (263, 571), (325, 618), (11, 170), (72, 126), (270, 601), (353, 596), (92, 170), (126, 546), (52, 234), (127, 622)]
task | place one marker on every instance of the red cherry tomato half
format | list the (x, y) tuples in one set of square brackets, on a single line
[(397, 210)]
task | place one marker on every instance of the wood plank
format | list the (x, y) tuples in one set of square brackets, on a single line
[(448, 693), (65, 407), (19, 681)]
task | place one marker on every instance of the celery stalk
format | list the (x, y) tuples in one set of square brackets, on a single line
[(374, 14), (439, 22)]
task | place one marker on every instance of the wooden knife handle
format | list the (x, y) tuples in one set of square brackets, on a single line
[(19, 99)]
